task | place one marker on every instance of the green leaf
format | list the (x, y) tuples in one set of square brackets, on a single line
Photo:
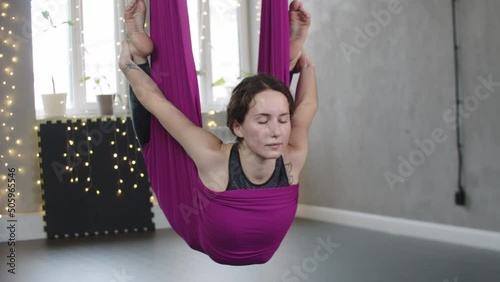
[(219, 82), (46, 14), (70, 23), (85, 78)]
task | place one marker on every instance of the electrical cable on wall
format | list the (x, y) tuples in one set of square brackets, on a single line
[(460, 194)]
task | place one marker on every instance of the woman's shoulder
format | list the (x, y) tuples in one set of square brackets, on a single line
[(215, 176)]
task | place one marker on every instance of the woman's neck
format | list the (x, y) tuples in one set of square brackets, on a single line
[(257, 169)]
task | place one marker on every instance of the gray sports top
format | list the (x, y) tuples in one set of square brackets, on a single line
[(238, 180)]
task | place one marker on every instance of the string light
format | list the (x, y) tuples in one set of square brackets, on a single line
[(10, 144)]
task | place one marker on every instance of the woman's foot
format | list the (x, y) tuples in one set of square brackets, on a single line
[(141, 45), (300, 21)]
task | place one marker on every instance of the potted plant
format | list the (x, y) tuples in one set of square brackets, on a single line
[(104, 100), (54, 104)]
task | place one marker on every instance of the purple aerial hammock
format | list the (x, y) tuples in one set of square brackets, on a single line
[(237, 227)]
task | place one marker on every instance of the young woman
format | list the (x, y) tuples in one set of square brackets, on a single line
[(206, 188), (271, 128)]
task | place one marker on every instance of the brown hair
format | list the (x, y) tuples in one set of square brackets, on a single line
[(244, 93)]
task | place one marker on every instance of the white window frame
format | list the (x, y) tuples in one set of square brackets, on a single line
[(77, 60), (77, 93), (248, 28), (248, 40)]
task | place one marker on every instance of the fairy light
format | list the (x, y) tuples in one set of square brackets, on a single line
[(10, 144), (124, 183)]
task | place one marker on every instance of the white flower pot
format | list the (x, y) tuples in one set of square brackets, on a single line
[(54, 105), (105, 102)]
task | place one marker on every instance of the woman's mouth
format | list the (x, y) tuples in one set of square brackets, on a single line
[(274, 146)]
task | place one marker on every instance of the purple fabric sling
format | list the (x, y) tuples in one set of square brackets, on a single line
[(237, 227)]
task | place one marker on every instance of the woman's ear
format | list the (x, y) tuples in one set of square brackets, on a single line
[(238, 131)]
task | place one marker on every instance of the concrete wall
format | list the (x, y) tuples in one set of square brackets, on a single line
[(21, 106), (392, 88)]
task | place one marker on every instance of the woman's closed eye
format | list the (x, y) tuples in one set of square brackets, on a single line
[(266, 121)]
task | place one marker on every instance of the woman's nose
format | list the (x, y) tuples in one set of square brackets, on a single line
[(274, 128)]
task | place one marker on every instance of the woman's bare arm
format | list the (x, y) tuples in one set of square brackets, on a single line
[(201, 145), (306, 104)]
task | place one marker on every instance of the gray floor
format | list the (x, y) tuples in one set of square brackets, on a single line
[(354, 255)]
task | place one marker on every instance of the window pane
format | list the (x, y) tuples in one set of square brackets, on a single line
[(225, 47), (194, 26), (51, 58), (99, 47)]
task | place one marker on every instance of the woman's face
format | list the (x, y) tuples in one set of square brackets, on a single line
[(266, 128)]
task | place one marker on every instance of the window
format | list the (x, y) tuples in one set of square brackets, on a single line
[(76, 44), (218, 51), (224, 38)]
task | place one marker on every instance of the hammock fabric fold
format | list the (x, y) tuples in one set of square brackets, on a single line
[(237, 227)]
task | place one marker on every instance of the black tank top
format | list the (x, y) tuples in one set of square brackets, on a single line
[(238, 180)]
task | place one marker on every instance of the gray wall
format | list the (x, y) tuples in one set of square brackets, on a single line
[(23, 118), (379, 100)]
